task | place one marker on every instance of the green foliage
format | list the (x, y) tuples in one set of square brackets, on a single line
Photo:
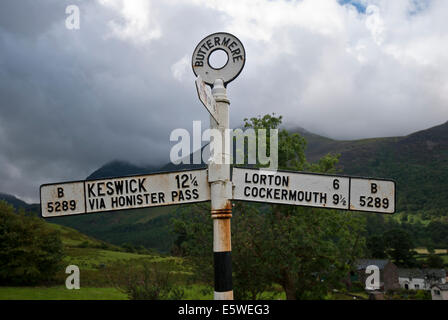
[(60, 293), (144, 281), (376, 247), (434, 261), (30, 251), (399, 247)]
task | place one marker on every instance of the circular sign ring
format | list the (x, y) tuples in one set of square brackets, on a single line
[(236, 58)]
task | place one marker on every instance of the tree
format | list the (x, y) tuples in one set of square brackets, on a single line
[(434, 261), (399, 247), (142, 280), (30, 251), (376, 246), (307, 251)]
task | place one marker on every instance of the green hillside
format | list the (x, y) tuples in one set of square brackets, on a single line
[(418, 162)]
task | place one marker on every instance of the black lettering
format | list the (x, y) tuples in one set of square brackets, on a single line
[(199, 63), (153, 198), (277, 194), (254, 192), (323, 198), (100, 189), (225, 41), (235, 52), (308, 196), (210, 44), (161, 197), (284, 194), (373, 188), (292, 195), (129, 200), (133, 190), (119, 187), (110, 189), (139, 199), (246, 194), (90, 190), (278, 180), (141, 187), (216, 41), (114, 202), (60, 192), (235, 59), (255, 178)]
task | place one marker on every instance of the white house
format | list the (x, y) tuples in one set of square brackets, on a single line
[(420, 279), (439, 292)]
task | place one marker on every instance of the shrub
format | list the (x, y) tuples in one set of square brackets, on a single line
[(143, 281), (30, 251)]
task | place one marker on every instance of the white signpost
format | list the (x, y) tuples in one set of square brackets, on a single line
[(214, 184), (206, 97), (124, 193), (314, 190)]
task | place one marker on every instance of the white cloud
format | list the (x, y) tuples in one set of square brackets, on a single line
[(180, 68), (137, 23)]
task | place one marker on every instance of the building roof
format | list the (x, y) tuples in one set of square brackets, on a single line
[(443, 287), (421, 273), (363, 263)]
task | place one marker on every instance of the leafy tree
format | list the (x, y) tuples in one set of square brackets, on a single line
[(376, 246), (305, 250), (143, 281), (399, 247), (434, 261), (30, 252)]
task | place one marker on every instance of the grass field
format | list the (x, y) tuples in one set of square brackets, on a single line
[(60, 293), (425, 251)]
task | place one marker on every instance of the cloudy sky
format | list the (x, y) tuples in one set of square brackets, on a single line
[(72, 100)]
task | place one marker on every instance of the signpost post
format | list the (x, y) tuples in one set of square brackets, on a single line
[(219, 166), (214, 184)]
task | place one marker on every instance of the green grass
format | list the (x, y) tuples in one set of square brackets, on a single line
[(60, 293)]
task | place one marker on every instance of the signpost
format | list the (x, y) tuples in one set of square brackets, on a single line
[(206, 97), (214, 184), (314, 190), (133, 192)]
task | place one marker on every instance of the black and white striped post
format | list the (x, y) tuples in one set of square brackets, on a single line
[(221, 195), (217, 104)]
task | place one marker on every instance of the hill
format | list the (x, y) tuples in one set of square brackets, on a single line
[(418, 162)]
